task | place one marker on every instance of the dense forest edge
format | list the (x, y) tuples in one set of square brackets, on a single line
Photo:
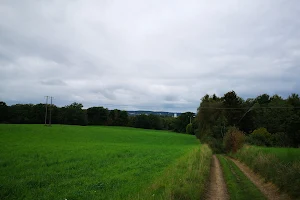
[(263, 121), (74, 114)]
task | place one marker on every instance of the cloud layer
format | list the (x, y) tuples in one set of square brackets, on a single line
[(154, 55)]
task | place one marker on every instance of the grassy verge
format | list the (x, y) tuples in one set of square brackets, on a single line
[(278, 165), (185, 179), (239, 186)]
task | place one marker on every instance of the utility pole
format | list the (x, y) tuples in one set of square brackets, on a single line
[(191, 116), (50, 110), (46, 110)]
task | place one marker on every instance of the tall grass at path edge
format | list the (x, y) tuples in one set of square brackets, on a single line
[(280, 166)]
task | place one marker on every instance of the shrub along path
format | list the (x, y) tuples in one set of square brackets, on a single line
[(268, 189)]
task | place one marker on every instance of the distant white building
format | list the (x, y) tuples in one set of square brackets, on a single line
[(175, 115)]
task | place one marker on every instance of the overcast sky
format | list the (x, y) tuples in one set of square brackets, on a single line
[(151, 55)]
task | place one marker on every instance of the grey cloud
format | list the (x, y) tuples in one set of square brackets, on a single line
[(171, 98), (147, 54), (53, 82), (108, 94)]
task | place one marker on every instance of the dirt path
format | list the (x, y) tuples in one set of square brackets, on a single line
[(217, 188), (268, 189)]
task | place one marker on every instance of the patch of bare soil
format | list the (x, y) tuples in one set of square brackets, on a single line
[(268, 189), (217, 188)]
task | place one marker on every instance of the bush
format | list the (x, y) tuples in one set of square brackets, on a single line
[(216, 145), (280, 140), (189, 129), (233, 140), (260, 137)]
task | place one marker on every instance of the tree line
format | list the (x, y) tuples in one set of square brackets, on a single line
[(74, 114), (265, 120)]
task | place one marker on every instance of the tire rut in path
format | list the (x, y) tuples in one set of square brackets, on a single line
[(217, 188), (268, 189)]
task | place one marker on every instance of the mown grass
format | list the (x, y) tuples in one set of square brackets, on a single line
[(238, 185), (75, 162), (278, 165), (185, 179)]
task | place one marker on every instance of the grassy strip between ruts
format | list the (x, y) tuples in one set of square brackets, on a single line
[(239, 186), (185, 179), (281, 166)]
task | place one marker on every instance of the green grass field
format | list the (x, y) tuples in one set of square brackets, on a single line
[(278, 165), (286, 155), (92, 162)]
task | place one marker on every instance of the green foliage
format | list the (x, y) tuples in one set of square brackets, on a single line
[(92, 162), (182, 121), (219, 128), (73, 114), (155, 122), (131, 121), (263, 99), (216, 144), (207, 116), (142, 121), (275, 120), (260, 137), (281, 166), (123, 118), (28, 113), (97, 115), (280, 140), (239, 186), (3, 112), (293, 129), (117, 118), (231, 100), (189, 129), (233, 139), (168, 123), (277, 115), (148, 122)]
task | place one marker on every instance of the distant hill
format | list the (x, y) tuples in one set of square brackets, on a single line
[(161, 113)]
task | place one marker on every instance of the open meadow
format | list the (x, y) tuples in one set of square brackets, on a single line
[(93, 162)]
